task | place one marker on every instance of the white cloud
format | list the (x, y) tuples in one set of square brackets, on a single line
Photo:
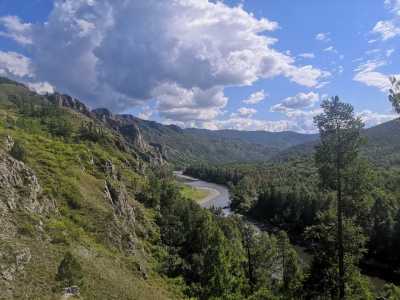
[(300, 101), (256, 97), (373, 51), (177, 103), (307, 55), (371, 118), (240, 123), (386, 29), (393, 6), (146, 113), (245, 112), (323, 36), (307, 75), (299, 121), (16, 30), (367, 74), (390, 52), (330, 49), (13, 64), (41, 88), (374, 79), (130, 51)]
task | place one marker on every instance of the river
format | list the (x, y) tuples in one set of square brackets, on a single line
[(218, 197)]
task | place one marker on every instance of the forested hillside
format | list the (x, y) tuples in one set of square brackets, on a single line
[(381, 146)]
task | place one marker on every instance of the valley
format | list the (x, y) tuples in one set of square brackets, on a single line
[(89, 188)]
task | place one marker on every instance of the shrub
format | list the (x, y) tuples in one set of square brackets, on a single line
[(18, 151), (69, 271)]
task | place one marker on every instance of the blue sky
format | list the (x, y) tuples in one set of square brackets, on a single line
[(194, 63)]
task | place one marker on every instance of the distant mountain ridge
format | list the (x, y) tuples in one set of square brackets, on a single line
[(185, 146), (382, 146)]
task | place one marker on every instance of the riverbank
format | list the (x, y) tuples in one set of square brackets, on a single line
[(198, 194), (218, 196)]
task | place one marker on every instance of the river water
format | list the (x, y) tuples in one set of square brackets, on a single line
[(218, 194)]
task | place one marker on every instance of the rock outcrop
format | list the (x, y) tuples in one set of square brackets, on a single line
[(20, 195), (19, 192), (122, 230), (67, 101)]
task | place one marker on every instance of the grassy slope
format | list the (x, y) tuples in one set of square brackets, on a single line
[(65, 172)]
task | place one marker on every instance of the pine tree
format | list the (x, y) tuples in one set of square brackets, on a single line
[(340, 134), (394, 96)]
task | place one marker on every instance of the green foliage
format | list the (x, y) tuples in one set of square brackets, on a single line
[(60, 126), (69, 271), (292, 275), (391, 292), (394, 96), (336, 155), (18, 151), (324, 269), (90, 132)]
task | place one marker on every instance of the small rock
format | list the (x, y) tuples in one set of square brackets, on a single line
[(9, 143), (72, 291)]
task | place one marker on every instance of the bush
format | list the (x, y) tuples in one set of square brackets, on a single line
[(18, 151), (69, 271), (60, 126)]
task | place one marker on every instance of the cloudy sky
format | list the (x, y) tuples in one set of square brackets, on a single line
[(249, 65)]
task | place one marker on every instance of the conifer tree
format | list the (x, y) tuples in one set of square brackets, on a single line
[(340, 134)]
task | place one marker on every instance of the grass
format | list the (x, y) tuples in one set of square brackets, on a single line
[(71, 174), (195, 194)]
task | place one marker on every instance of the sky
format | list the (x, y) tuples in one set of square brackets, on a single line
[(233, 64)]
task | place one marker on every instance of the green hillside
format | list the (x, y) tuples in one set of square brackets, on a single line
[(67, 194)]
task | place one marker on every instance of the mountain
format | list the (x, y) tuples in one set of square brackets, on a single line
[(70, 219), (188, 146), (382, 146), (280, 140)]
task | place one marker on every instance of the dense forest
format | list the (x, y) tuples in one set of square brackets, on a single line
[(337, 185)]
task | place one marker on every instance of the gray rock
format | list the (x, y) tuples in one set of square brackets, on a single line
[(9, 143)]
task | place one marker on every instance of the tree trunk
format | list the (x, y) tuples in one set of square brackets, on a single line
[(340, 235)]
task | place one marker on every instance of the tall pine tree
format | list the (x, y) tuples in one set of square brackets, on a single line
[(340, 134)]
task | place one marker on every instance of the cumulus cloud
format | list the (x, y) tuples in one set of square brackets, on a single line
[(256, 97), (177, 103), (291, 104), (323, 36), (367, 74), (300, 123), (133, 51), (41, 88), (13, 65), (15, 29)]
